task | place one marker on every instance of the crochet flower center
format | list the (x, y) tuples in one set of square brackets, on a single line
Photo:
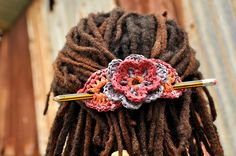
[(137, 80)]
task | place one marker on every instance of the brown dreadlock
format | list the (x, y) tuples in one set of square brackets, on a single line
[(181, 126)]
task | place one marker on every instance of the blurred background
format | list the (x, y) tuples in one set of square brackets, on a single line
[(33, 31)]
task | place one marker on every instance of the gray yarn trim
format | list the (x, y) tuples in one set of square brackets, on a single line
[(154, 95), (109, 91), (135, 57), (162, 72), (112, 66)]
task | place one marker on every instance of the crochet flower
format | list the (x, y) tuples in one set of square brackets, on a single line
[(135, 80), (130, 83), (95, 85)]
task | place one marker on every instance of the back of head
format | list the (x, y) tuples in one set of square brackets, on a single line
[(162, 127)]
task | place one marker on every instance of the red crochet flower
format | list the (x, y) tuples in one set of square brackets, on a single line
[(135, 78), (138, 80)]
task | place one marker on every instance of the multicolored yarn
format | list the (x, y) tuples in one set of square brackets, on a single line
[(130, 83), (95, 85)]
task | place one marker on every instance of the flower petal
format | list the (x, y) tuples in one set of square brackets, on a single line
[(130, 105), (135, 57), (162, 72), (138, 95), (109, 91), (154, 95), (112, 67)]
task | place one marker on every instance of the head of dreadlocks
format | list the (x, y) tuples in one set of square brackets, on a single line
[(163, 126)]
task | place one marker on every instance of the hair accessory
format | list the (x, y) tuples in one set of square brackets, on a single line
[(138, 80), (130, 83)]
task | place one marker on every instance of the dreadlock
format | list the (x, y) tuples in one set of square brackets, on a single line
[(182, 126)]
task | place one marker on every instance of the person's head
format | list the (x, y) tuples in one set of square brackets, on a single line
[(182, 126)]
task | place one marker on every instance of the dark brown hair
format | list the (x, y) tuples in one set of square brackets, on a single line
[(182, 126)]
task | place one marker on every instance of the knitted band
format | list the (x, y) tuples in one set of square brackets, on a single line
[(130, 83)]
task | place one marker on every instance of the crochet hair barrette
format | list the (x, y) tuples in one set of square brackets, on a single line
[(130, 83)]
